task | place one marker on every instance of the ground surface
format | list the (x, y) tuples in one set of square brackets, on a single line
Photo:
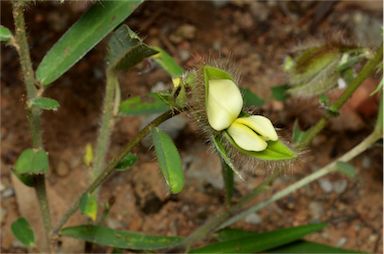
[(256, 36)]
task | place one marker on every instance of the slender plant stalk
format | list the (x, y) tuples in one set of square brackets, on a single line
[(110, 168), (365, 72), (33, 113), (104, 136)]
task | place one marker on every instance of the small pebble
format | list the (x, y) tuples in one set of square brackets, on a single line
[(325, 185), (8, 192), (316, 209), (184, 55), (253, 219), (340, 186), (341, 242), (366, 162)]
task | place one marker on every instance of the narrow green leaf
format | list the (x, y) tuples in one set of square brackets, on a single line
[(45, 103), (259, 242), (169, 160), (346, 169), (128, 161), (303, 246), (32, 161), (168, 63), (23, 232), (126, 49), (228, 178), (280, 92), (120, 239), (90, 29), (251, 99), (88, 206), (150, 104), (5, 33)]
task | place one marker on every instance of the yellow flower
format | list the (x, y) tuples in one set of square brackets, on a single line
[(224, 103), (251, 133)]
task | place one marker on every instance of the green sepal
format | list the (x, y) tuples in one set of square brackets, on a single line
[(275, 151)]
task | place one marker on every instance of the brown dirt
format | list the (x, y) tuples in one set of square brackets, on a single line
[(256, 37)]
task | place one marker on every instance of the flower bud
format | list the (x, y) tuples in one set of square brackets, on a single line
[(224, 103), (251, 133)]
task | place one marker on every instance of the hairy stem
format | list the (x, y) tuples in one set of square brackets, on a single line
[(365, 72), (33, 113), (110, 168), (103, 138)]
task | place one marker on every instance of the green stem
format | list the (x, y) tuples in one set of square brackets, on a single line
[(365, 72), (331, 167), (33, 113), (103, 138), (110, 168)]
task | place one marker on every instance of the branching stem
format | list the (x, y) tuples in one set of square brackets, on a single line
[(33, 113)]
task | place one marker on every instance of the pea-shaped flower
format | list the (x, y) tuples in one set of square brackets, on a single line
[(252, 135)]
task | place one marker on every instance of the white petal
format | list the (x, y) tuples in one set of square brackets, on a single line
[(224, 103), (245, 138), (261, 125)]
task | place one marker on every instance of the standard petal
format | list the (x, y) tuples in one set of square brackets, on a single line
[(261, 125), (245, 138), (224, 103)]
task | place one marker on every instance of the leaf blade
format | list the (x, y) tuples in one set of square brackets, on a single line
[(5, 34), (259, 242), (32, 161), (169, 160), (119, 238), (137, 105), (81, 37), (45, 103), (23, 232), (126, 49)]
